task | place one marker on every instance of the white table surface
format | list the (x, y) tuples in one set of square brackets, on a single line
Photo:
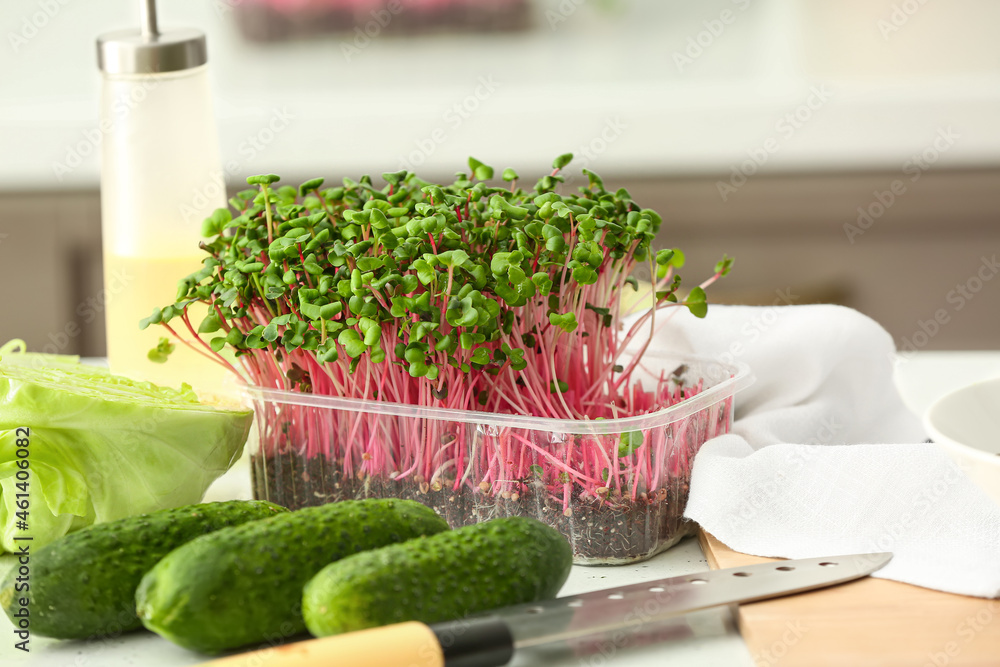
[(709, 637)]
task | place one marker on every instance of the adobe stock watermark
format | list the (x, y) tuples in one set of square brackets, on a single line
[(364, 34), (762, 494), (914, 167), (956, 299), (223, 7), (586, 154), (921, 504), (699, 43), (453, 117), (752, 330), (966, 632), (898, 17), (785, 128), (34, 23), (562, 12), (248, 149), (642, 621), (771, 655), (93, 137), (87, 310)]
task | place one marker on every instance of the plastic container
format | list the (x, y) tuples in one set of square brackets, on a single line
[(615, 488)]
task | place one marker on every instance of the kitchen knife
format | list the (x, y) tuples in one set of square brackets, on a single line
[(490, 640)]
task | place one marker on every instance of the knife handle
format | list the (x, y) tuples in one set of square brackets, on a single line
[(472, 643), (401, 645)]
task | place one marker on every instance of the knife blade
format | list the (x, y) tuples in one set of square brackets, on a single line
[(490, 640)]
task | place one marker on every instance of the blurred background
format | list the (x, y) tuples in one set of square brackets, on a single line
[(843, 152)]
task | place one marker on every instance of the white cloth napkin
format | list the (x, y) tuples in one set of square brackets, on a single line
[(824, 458)]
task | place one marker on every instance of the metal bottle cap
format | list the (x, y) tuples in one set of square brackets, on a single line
[(148, 51)]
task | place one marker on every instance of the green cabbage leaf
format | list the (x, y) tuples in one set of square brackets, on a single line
[(100, 447)]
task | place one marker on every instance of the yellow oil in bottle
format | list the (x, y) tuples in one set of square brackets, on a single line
[(137, 285)]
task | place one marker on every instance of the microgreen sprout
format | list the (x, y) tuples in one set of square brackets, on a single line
[(470, 296)]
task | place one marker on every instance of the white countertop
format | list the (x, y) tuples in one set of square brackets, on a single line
[(709, 638), (604, 82)]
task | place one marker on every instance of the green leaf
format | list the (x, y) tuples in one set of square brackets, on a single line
[(353, 345), (310, 311), (595, 180), (555, 244), (444, 344), (562, 160), (394, 177), (453, 258), (373, 335), (378, 220), (425, 272), (509, 175), (698, 309), (566, 321), (263, 179), (537, 470), (500, 205), (235, 337), (155, 318), (542, 282), (481, 356), (356, 304), (517, 360), (435, 193), (270, 333), (310, 186), (161, 352), (330, 310), (664, 257), (585, 275), (629, 443), (500, 263), (724, 265), (210, 324)]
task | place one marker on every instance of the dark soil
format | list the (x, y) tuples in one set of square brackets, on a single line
[(605, 531)]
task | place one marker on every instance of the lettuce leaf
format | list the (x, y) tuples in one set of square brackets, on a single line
[(102, 447)]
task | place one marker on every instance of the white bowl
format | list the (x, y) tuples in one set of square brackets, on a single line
[(966, 423)]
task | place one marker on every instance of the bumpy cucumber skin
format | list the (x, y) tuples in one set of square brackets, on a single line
[(83, 585), (445, 577), (244, 585)]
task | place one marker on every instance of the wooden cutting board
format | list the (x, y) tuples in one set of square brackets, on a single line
[(869, 622)]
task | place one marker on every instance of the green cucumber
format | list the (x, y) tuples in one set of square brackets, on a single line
[(244, 585), (83, 585), (440, 578)]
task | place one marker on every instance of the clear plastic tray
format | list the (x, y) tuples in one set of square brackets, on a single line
[(616, 488)]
